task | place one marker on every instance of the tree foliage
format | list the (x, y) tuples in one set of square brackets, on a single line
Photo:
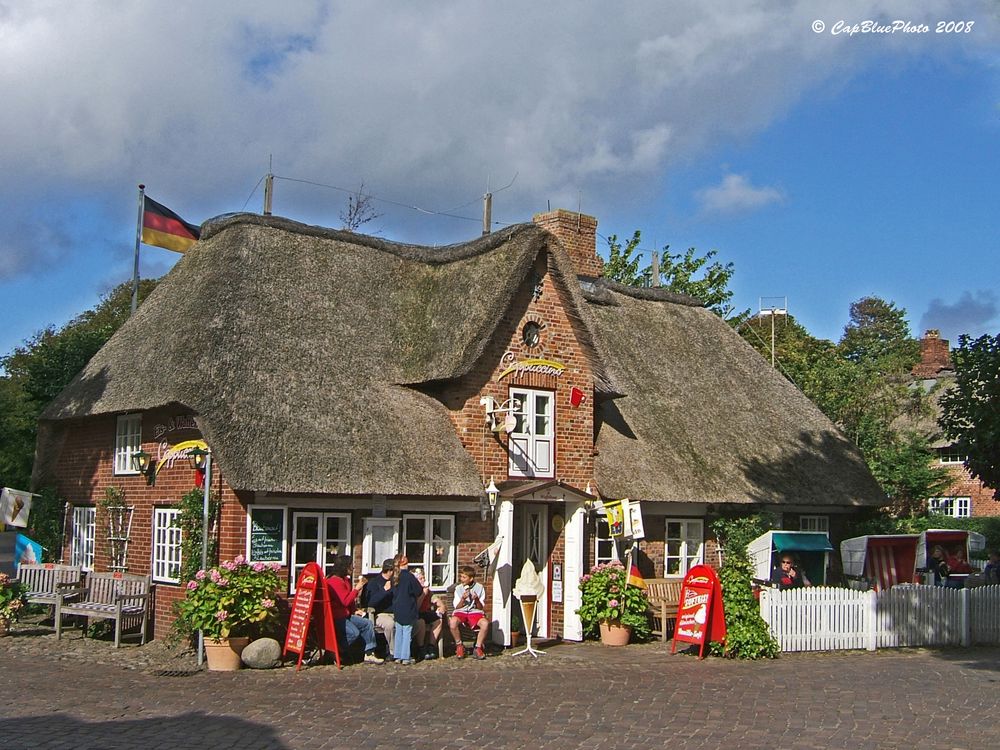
[(971, 409), (32, 375), (686, 273), (863, 384)]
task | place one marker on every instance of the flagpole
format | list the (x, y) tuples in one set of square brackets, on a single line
[(138, 238)]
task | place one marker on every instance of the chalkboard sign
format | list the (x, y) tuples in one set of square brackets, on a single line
[(266, 535)]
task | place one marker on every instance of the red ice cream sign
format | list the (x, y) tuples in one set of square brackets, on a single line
[(700, 617)]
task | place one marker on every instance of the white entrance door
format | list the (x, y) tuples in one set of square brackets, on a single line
[(535, 545)]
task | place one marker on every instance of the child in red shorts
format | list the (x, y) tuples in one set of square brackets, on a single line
[(469, 610)]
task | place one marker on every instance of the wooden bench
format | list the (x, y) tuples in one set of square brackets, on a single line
[(664, 596), (41, 581), (109, 596)]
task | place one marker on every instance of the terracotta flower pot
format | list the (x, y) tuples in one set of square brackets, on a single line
[(4, 627), (515, 638), (613, 633), (223, 655)]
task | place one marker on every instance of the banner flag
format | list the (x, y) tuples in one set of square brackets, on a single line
[(15, 505), (163, 228)]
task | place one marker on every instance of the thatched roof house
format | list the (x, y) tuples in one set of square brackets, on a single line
[(360, 395)]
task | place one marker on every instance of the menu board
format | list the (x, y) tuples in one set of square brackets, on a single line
[(266, 535), (700, 616)]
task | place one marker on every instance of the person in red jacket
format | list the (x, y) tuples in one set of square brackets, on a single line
[(343, 596)]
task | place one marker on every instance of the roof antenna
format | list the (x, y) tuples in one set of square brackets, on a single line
[(488, 203), (268, 185)]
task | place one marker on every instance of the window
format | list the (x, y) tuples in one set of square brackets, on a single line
[(956, 507), (128, 440), (605, 548), (166, 545), (531, 444), (381, 542), (319, 537), (951, 455), (429, 543), (684, 545), (815, 523), (82, 544)]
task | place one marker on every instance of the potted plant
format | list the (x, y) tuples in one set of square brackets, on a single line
[(231, 604), (11, 602), (516, 624), (611, 607)]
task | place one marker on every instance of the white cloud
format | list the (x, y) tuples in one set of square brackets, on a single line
[(736, 195), (973, 313), (423, 102)]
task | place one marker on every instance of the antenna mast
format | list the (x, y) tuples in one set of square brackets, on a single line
[(268, 186)]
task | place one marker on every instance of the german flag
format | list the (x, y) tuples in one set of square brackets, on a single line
[(635, 577), (163, 228)]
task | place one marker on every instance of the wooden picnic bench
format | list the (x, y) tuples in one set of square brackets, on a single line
[(120, 597), (41, 580), (664, 596)]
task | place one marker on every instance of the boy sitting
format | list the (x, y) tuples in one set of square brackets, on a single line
[(470, 610)]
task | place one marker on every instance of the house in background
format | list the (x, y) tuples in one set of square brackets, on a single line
[(966, 496), (359, 395)]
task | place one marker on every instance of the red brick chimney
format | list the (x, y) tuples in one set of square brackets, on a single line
[(934, 356), (577, 233)]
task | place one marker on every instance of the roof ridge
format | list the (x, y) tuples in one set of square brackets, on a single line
[(430, 254)]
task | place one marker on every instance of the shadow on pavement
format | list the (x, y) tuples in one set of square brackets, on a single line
[(192, 730)]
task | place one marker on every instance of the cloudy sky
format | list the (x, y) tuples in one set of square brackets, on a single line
[(825, 165)]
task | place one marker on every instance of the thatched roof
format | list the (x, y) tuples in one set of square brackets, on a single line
[(294, 346), (308, 356), (705, 418)]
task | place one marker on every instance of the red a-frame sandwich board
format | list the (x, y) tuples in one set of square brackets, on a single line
[(700, 617), (311, 589)]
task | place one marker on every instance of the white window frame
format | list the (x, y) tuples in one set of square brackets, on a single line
[(959, 506), (428, 541), (369, 563), (128, 440), (166, 545), (950, 456), (525, 445), (818, 524), (84, 534), (294, 567), (686, 557), (603, 541)]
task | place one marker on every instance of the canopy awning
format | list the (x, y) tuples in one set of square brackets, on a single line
[(801, 542)]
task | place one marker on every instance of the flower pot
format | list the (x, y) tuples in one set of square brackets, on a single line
[(613, 633), (515, 638), (223, 655), (4, 627)]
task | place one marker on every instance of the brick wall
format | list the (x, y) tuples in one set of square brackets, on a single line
[(934, 355)]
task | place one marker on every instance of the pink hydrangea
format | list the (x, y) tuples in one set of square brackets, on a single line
[(221, 615), (267, 603), (239, 560), (612, 603), (192, 585), (229, 565), (274, 566), (200, 575), (215, 575), (223, 582), (259, 567)]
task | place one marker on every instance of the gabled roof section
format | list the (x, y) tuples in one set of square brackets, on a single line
[(291, 343), (704, 418)]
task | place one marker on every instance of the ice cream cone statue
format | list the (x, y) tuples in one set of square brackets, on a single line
[(528, 589)]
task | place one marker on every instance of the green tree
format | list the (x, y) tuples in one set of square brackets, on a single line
[(677, 273), (863, 384), (34, 374), (971, 409)]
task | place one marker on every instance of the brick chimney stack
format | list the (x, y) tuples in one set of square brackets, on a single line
[(934, 355), (578, 234)]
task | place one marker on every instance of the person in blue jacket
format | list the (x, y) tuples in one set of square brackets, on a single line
[(406, 597)]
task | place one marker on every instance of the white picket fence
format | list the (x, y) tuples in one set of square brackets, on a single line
[(825, 619)]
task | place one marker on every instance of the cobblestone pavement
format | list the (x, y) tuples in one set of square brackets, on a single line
[(84, 694)]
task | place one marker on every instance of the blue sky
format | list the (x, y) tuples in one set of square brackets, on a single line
[(824, 167)]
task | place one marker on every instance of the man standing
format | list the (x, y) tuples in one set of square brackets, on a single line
[(378, 595)]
